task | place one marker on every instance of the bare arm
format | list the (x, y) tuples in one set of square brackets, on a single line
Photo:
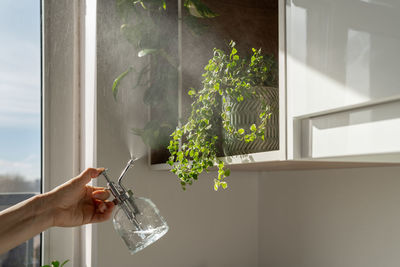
[(73, 203)]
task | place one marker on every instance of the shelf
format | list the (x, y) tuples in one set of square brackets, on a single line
[(267, 161), (285, 165), (368, 129), (269, 156), (305, 165), (349, 108)]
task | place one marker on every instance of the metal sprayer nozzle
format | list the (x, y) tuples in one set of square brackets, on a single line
[(128, 165), (131, 161), (124, 198)]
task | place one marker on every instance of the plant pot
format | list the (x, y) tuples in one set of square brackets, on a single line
[(247, 112)]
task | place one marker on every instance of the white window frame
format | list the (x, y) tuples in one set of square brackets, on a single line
[(68, 115)]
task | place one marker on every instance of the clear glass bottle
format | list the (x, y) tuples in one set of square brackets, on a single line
[(145, 228), (137, 220)]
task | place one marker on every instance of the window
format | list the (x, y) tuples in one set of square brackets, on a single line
[(20, 113)]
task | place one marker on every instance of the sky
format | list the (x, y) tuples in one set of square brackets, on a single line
[(20, 88)]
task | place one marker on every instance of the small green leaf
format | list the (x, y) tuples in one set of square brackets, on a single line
[(253, 128), (241, 131), (240, 98), (118, 80), (142, 4), (197, 9), (227, 172), (55, 263), (62, 264), (234, 51), (224, 185), (216, 184), (220, 165)]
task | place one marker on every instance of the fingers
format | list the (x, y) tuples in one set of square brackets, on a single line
[(88, 174), (101, 194), (103, 212), (103, 206), (98, 188)]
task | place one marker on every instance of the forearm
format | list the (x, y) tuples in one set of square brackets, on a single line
[(24, 220)]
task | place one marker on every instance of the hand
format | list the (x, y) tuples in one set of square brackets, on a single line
[(75, 203), (71, 204)]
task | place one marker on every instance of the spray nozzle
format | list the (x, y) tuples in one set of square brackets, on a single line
[(128, 165)]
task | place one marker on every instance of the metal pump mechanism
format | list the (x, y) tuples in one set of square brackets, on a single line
[(136, 219), (124, 198)]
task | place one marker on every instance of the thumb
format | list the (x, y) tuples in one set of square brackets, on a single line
[(87, 175)]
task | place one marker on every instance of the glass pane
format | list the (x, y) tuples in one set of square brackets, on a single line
[(20, 112)]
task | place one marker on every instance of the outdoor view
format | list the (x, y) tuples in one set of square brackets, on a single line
[(20, 134)]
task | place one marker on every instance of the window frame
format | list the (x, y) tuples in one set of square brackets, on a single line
[(68, 115)]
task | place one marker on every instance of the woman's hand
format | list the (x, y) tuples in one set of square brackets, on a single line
[(75, 203), (71, 204)]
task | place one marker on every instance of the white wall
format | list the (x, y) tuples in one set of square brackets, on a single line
[(207, 229), (330, 218), (277, 219), (341, 53)]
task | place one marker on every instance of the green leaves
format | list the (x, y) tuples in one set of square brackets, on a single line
[(118, 80), (198, 9), (227, 172), (56, 264), (227, 80), (191, 92), (143, 26), (218, 183), (223, 184), (154, 134)]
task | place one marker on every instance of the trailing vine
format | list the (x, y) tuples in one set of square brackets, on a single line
[(229, 79)]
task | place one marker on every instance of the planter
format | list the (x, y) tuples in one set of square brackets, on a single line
[(244, 114)]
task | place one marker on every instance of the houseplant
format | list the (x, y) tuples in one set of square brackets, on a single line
[(228, 80), (151, 27)]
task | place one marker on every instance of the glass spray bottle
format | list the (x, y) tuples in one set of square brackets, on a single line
[(137, 220)]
